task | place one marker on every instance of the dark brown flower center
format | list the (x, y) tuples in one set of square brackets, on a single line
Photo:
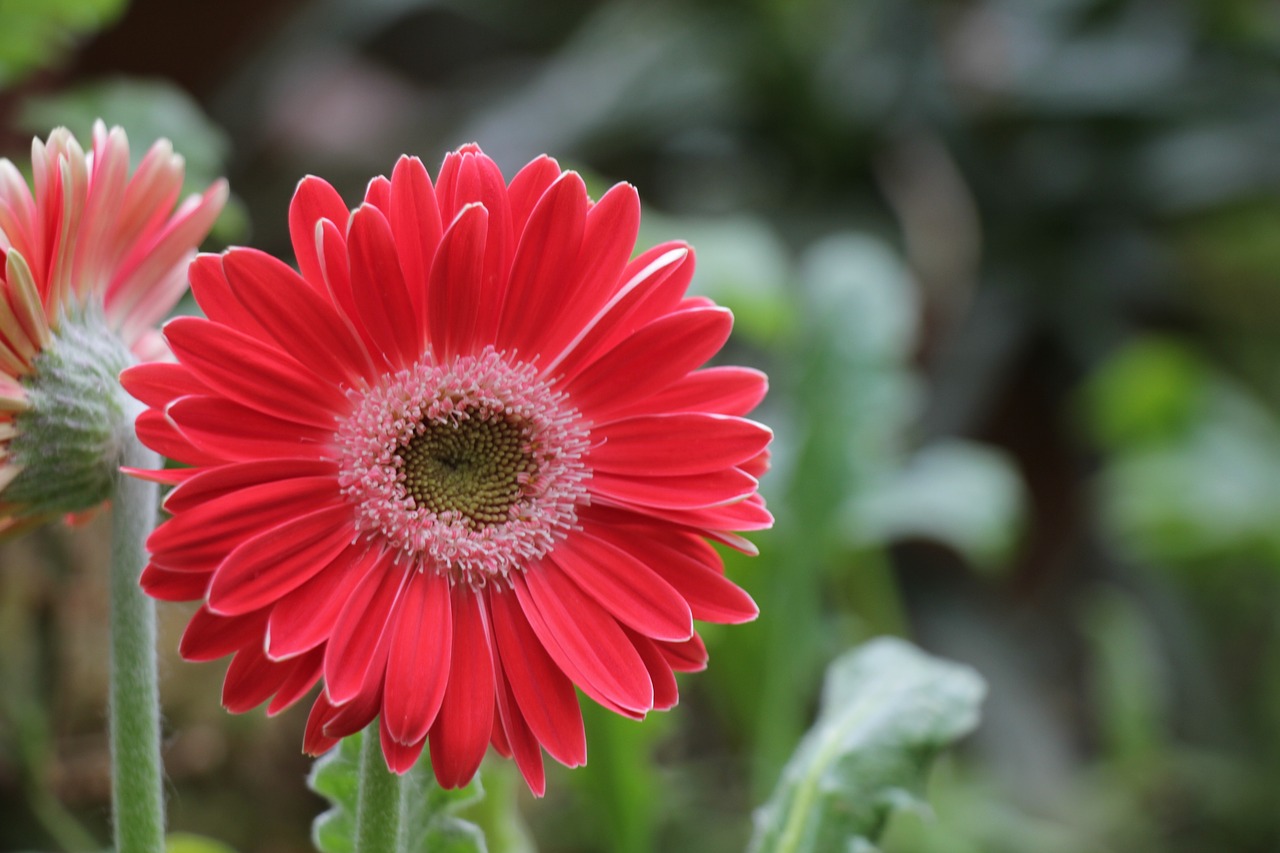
[(474, 467)]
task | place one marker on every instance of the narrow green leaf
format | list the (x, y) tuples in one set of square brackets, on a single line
[(430, 821), (887, 710)]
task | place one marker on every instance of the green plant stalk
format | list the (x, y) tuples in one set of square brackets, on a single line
[(381, 803), (134, 713)]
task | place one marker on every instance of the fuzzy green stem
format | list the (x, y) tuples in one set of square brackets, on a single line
[(136, 770), (380, 807)]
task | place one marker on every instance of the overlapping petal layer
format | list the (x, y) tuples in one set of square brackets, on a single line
[(467, 459)]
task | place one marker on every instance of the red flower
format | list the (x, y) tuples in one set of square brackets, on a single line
[(463, 463)]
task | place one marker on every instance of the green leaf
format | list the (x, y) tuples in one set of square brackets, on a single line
[(430, 821), (887, 710), (185, 842), (35, 35), (956, 492)]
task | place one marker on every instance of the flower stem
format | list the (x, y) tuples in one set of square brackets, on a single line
[(380, 806), (136, 770)]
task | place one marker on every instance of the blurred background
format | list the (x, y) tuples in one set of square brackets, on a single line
[(1013, 267)]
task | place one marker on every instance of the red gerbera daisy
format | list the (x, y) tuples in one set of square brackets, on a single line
[(463, 463)]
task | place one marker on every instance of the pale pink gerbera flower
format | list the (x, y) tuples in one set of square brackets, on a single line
[(91, 262), (463, 463)]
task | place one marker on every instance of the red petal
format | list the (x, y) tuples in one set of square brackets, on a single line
[(666, 693), (304, 619), (400, 757), (689, 656), (608, 239), (544, 694), (167, 585), (517, 736), (378, 287), (692, 567), (313, 200), (158, 432), (687, 443), (159, 383), (263, 569), (305, 674), (351, 655), (251, 679), (528, 186), (209, 636), (548, 247), (463, 727), (585, 640), (692, 491), (302, 320), (469, 177), (723, 390), (626, 587), (253, 373), (418, 660), (198, 539), (213, 294), (455, 288), (212, 483), (378, 193), (416, 226), (649, 360), (231, 432)]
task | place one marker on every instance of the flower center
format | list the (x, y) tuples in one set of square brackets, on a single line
[(471, 467)]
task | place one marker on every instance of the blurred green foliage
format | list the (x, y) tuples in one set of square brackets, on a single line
[(1012, 268), (35, 35)]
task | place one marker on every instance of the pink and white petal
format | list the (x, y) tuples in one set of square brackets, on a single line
[(464, 725), (419, 657), (352, 654), (685, 443), (304, 619), (300, 319), (583, 638), (378, 287), (685, 340), (542, 691), (254, 373), (549, 245), (272, 564), (314, 199), (632, 592), (209, 636)]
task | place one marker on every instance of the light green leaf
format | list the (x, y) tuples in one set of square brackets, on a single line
[(956, 492), (887, 710), (430, 821), (185, 842)]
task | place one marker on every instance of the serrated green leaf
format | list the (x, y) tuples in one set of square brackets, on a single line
[(887, 710), (430, 819)]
